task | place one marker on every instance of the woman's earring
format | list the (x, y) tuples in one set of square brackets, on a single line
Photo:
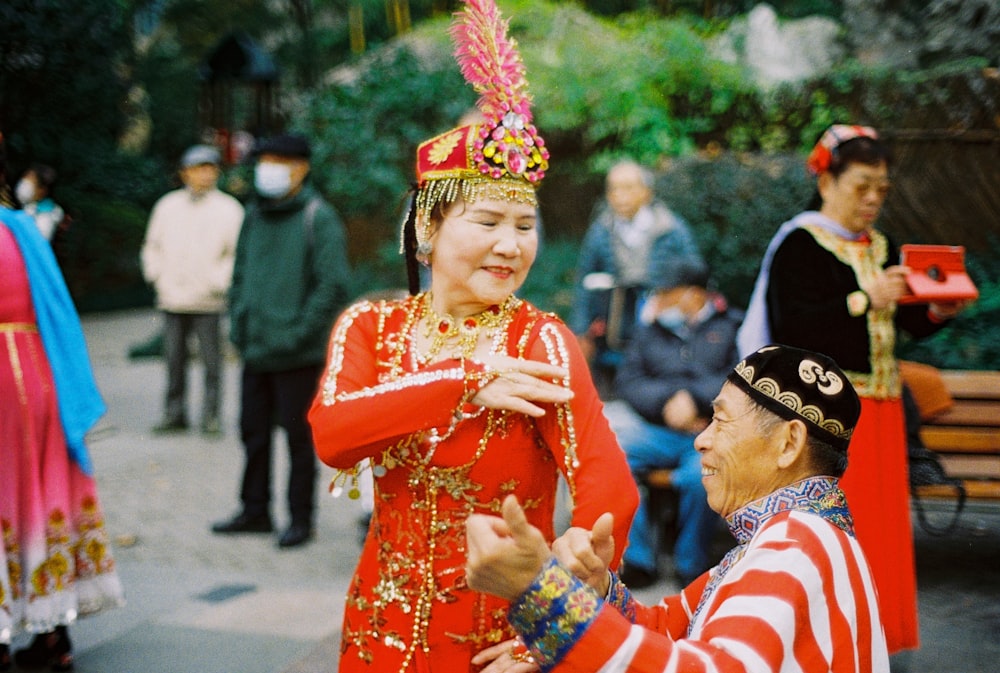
[(424, 250)]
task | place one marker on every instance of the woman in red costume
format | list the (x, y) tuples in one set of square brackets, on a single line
[(830, 282), (464, 394), (55, 559)]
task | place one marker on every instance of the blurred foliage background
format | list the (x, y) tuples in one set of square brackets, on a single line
[(110, 92)]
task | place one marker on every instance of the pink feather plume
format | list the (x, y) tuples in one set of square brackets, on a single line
[(490, 61)]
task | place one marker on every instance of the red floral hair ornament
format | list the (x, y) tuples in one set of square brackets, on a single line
[(822, 154)]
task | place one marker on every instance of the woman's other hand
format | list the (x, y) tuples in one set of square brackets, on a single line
[(521, 384), (506, 657)]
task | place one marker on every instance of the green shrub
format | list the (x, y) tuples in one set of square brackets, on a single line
[(108, 206), (549, 286), (366, 127), (99, 255), (734, 205)]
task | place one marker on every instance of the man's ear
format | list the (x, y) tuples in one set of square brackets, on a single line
[(793, 446)]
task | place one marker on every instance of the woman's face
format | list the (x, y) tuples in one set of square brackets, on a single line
[(482, 252), (855, 197)]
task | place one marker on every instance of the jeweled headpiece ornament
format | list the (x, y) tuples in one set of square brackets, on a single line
[(502, 157), (826, 147), (506, 146)]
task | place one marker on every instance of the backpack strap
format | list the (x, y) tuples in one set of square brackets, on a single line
[(310, 220)]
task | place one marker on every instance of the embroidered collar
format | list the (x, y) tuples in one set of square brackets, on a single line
[(818, 495)]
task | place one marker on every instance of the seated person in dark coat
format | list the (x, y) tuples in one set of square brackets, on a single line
[(683, 350)]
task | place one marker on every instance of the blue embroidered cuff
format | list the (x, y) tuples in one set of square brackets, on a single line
[(553, 613), (621, 598)]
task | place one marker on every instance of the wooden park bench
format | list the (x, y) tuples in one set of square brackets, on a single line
[(967, 436)]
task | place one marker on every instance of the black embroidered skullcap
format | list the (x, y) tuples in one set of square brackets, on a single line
[(803, 385)]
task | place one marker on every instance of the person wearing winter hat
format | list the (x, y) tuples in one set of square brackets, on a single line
[(291, 279), (685, 346), (187, 255)]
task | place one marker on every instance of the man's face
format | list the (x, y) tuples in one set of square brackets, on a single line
[(739, 462), (297, 168), (626, 192), (201, 178), (686, 298)]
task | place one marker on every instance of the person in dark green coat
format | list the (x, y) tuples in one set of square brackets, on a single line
[(290, 279)]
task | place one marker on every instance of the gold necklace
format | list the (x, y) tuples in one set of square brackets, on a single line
[(464, 333)]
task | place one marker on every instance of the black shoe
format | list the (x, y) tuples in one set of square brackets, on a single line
[(5, 661), (52, 650), (297, 534), (636, 577), (168, 426), (244, 523)]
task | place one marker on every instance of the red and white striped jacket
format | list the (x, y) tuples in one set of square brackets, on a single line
[(796, 597)]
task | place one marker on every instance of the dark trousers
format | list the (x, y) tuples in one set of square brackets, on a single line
[(284, 398), (177, 330)]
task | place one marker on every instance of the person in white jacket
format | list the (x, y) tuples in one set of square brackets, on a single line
[(188, 256)]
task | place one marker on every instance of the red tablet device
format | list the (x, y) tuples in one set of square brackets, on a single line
[(937, 274)]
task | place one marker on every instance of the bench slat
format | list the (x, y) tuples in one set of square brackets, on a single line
[(972, 384), (960, 440), (969, 412), (659, 478), (971, 466), (974, 490)]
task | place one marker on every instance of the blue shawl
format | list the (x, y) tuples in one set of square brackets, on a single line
[(80, 403)]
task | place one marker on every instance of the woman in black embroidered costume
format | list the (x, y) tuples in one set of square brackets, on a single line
[(830, 282)]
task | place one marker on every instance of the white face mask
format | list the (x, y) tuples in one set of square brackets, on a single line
[(25, 191), (271, 180)]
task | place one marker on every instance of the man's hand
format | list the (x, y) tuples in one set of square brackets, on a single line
[(504, 555), (680, 413), (588, 553)]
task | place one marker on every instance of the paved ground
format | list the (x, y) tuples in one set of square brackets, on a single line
[(200, 602)]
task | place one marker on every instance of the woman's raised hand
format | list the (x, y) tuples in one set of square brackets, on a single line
[(887, 287), (521, 384)]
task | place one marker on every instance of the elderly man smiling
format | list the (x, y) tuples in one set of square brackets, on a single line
[(795, 594)]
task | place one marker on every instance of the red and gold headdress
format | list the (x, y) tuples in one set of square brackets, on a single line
[(822, 153), (503, 156)]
